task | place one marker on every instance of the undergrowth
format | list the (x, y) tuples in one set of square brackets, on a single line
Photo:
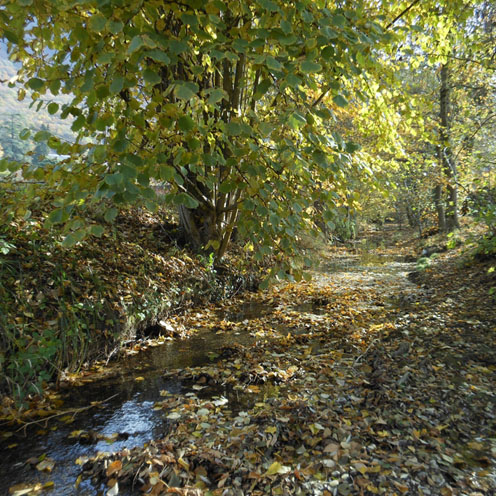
[(62, 308)]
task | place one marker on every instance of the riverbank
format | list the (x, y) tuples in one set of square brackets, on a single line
[(62, 309)]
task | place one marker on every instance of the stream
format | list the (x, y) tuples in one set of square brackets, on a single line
[(127, 417)]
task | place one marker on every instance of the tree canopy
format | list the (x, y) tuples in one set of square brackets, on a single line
[(238, 107)]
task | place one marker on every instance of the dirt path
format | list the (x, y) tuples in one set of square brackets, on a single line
[(357, 383)]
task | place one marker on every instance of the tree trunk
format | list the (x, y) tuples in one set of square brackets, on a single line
[(209, 229), (438, 202), (199, 226), (445, 153), (452, 221)]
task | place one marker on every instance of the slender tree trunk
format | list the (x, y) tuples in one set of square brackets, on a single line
[(445, 153), (438, 202), (409, 215), (210, 226)]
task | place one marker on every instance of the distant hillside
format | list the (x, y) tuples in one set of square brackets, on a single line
[(20, 112)]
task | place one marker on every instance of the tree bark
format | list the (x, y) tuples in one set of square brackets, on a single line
[(445, 154), (210, 226), (438, 202), (198, 225)]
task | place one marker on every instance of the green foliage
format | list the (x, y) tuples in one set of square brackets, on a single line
[(454, 240), (345, 227), (486, 245), (226, 102), (5, 246), (247, 111), (33, 350), (481, 204), (424, 263)]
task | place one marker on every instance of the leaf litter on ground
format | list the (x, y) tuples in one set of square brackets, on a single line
[(357, 382)]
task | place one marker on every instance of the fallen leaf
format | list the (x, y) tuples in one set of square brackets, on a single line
[(46, 465), (114, 467), (277, 468)]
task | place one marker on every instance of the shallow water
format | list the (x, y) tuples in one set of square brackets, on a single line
[(128, 413)]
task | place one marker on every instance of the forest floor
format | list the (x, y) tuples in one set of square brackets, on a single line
[(359, 382), (373, 378)]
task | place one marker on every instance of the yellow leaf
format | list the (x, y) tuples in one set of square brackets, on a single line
[(475, 445), (314, 429), (373, 489), (78, 480), (74, 434), (68, 419), (183, 463), (46, 465), (360, 467), (277, 468), (114, 467), (273, 469)]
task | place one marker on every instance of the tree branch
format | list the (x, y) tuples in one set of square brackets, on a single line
[(479, 127), (400, 15), (322, 95)]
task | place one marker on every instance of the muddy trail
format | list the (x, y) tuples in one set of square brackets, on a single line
[(366, 380)]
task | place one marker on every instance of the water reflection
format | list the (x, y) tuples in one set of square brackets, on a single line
[(129, 413)]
